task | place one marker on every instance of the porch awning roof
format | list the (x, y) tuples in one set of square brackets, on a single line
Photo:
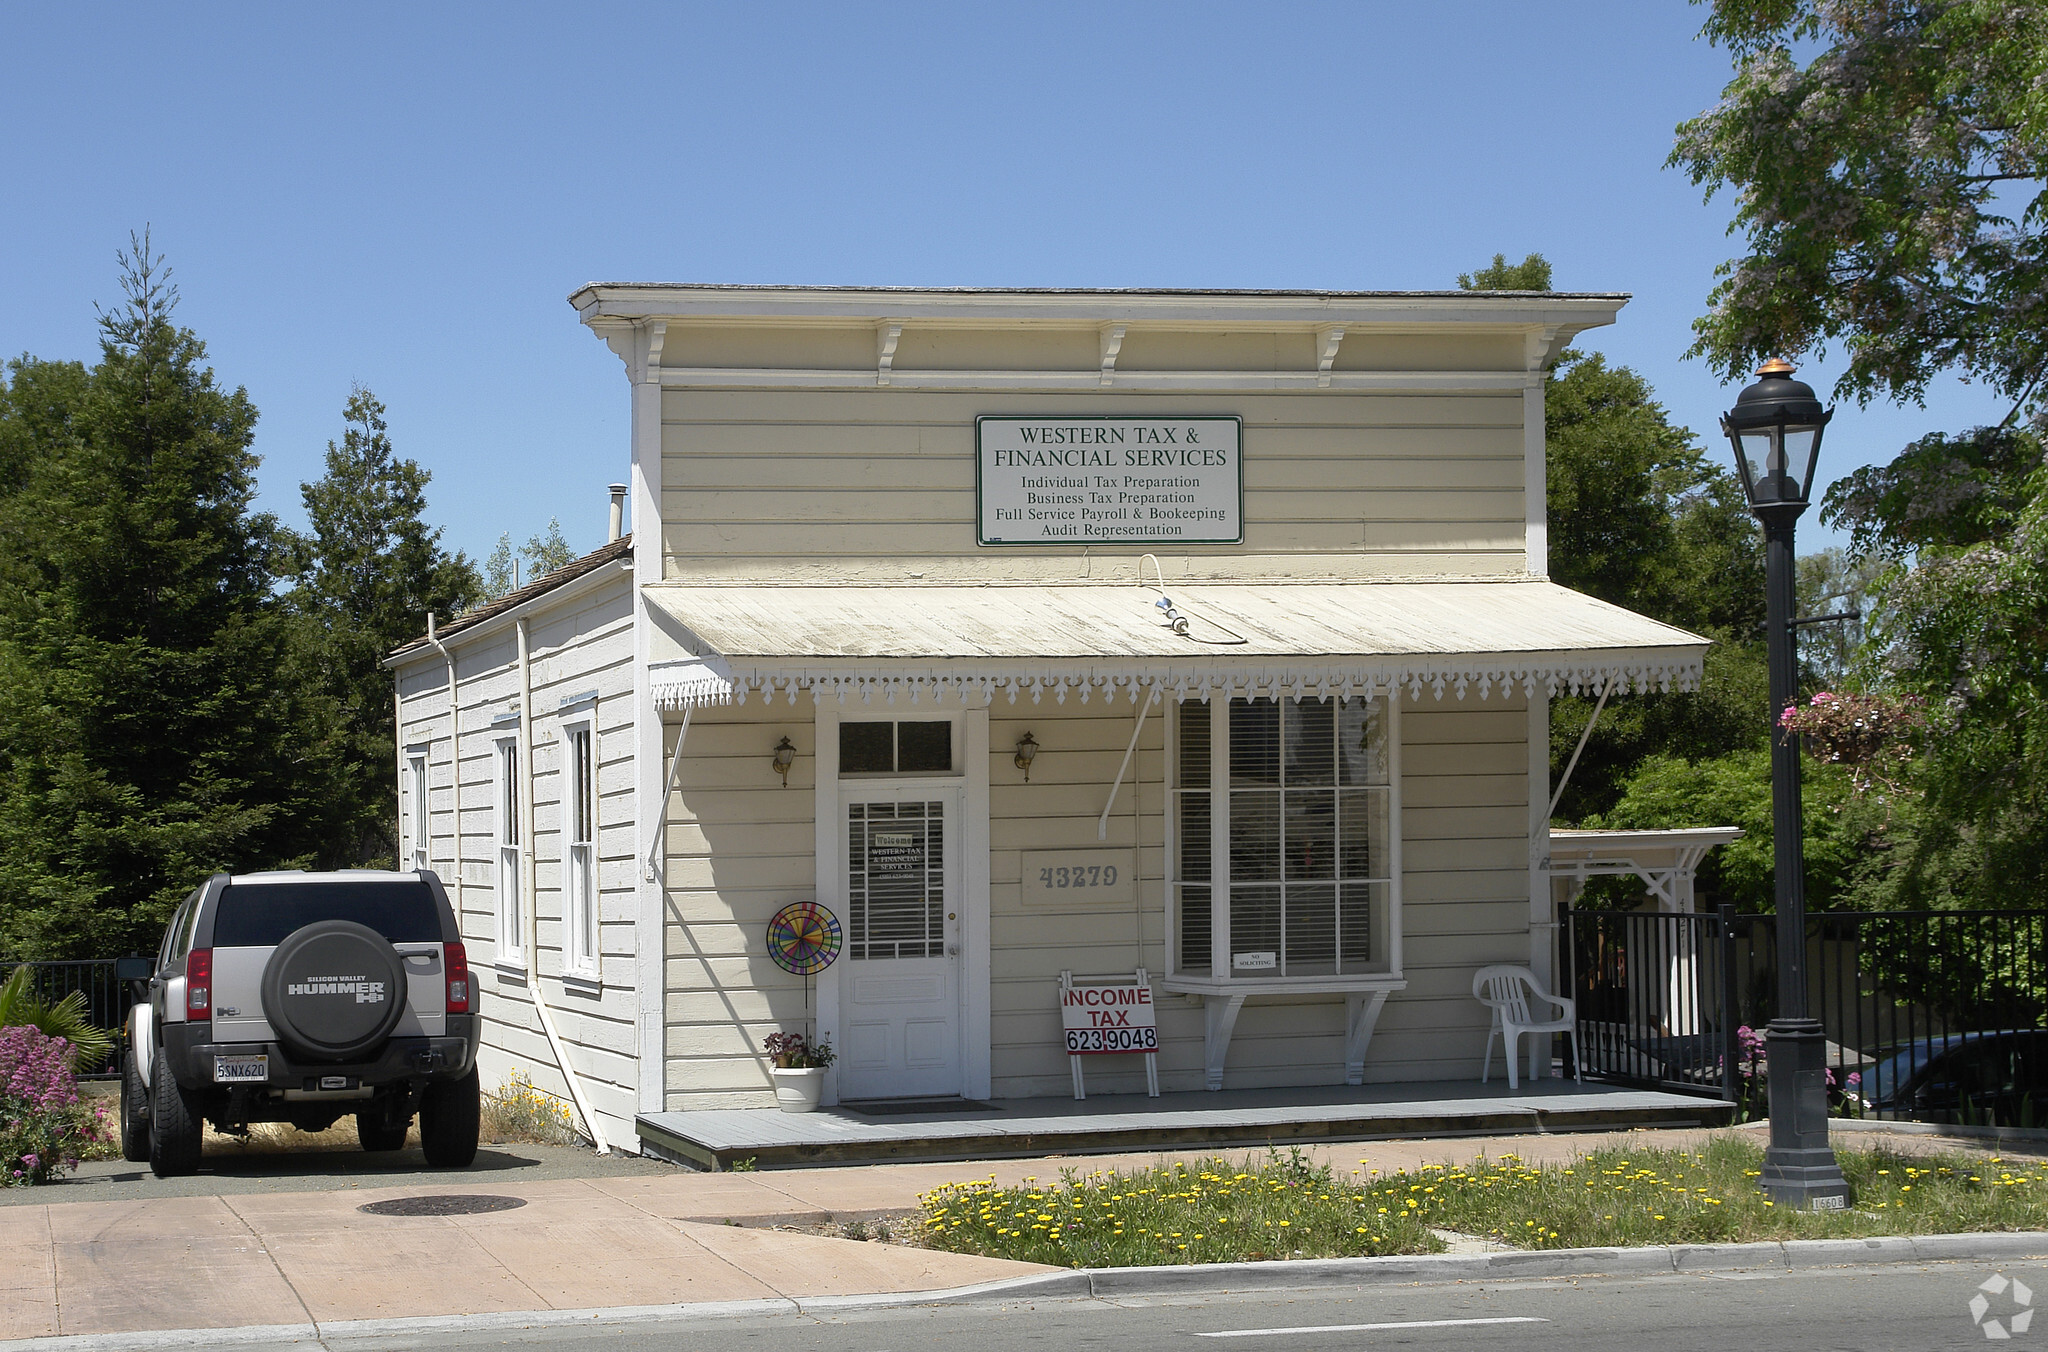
[(719, 644)]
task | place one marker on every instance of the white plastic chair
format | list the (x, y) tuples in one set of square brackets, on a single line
[(1505, 989)]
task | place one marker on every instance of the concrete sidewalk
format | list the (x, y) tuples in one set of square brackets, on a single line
[(279, 1258)]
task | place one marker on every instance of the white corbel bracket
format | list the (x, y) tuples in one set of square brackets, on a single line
[(1537, 353), (637, 343), (1112, 336), (1329, 338), (887, 335)]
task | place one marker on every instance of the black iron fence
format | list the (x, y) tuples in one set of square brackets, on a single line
[(107, 1001), (1934, 1015)]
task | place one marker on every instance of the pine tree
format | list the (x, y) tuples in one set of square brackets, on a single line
[(369, 571), (155, 724)]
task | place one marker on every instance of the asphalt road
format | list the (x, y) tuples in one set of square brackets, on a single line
[(1900, 1308)]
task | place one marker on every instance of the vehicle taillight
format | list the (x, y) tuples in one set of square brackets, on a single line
[(199, 982), (455, 962)]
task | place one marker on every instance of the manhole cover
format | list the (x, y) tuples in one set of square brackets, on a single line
[(441, 1204)]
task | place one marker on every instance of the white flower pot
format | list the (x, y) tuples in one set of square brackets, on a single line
[(797, 1091)]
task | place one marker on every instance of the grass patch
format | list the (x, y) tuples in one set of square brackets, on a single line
[(1284, 1206)]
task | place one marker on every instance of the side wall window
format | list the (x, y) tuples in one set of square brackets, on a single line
[(509, 829), (581, 914), (422, 816)]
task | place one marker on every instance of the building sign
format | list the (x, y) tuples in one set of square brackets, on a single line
[(1109, 481), (1104, 1019), (1087, 880)]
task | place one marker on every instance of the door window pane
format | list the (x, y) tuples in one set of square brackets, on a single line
[(867, 748), (924, 748), (895, 880)]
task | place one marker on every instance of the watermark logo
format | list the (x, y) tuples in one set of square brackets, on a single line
[(2014, 1306)]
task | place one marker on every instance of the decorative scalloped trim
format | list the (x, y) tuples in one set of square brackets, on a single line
[(700, 682)]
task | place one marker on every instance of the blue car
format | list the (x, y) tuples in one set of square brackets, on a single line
[(1994, 1077)]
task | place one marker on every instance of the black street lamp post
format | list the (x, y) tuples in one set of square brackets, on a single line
[(1776, 428)]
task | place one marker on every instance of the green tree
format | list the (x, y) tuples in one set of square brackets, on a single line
[(1640, 517), (1673, 792), (501, 573), (1890, 190), (1531, 274), (547, 551), (1835, 581), (154, 725), (368, 572)]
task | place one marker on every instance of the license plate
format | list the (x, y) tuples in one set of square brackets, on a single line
[(241, 1069)]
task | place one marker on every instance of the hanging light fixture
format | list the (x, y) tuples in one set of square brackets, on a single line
[(1027, 751), (785, 756)]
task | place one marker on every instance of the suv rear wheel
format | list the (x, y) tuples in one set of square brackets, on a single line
[(175, 1125), (451, 1113), (134, 1111), (378, 1133)]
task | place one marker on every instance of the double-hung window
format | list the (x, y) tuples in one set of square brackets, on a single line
[(511, 901), (1286, 840), (579, 819), (416, 767)]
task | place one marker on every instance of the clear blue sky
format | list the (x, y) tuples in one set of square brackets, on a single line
[(403, 195)]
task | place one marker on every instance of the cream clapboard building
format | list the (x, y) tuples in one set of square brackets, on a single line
[(1204, 634)]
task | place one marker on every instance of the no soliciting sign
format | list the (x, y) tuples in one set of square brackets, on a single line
[(1114, 481)]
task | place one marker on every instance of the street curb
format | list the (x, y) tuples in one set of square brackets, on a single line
[(2000, 1136), (1106, 1283)]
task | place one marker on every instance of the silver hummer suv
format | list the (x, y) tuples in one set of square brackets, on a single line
[(304, 998)]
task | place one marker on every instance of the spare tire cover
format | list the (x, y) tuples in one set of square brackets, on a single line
[(334, 990)]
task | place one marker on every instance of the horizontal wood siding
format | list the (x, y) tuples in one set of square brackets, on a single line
[(737, 847), (1031, 946), (581, 646), (1465, 857), (1341, 483)]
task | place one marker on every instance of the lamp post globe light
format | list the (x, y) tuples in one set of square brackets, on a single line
[(1776, 428)]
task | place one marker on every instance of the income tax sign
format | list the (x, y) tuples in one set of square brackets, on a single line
[(1101, 1019), (1109, 481)]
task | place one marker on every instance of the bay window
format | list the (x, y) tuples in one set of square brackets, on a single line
[(1285, 819)]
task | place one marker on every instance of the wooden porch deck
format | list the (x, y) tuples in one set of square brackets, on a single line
[(953, 1130)]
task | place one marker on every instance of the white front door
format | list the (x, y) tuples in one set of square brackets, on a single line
[(900, 988)]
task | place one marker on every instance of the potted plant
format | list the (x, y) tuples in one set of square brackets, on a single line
[(798, 1070)]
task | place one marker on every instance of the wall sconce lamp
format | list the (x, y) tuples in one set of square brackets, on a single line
[(1027, 751), (785, 756)]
